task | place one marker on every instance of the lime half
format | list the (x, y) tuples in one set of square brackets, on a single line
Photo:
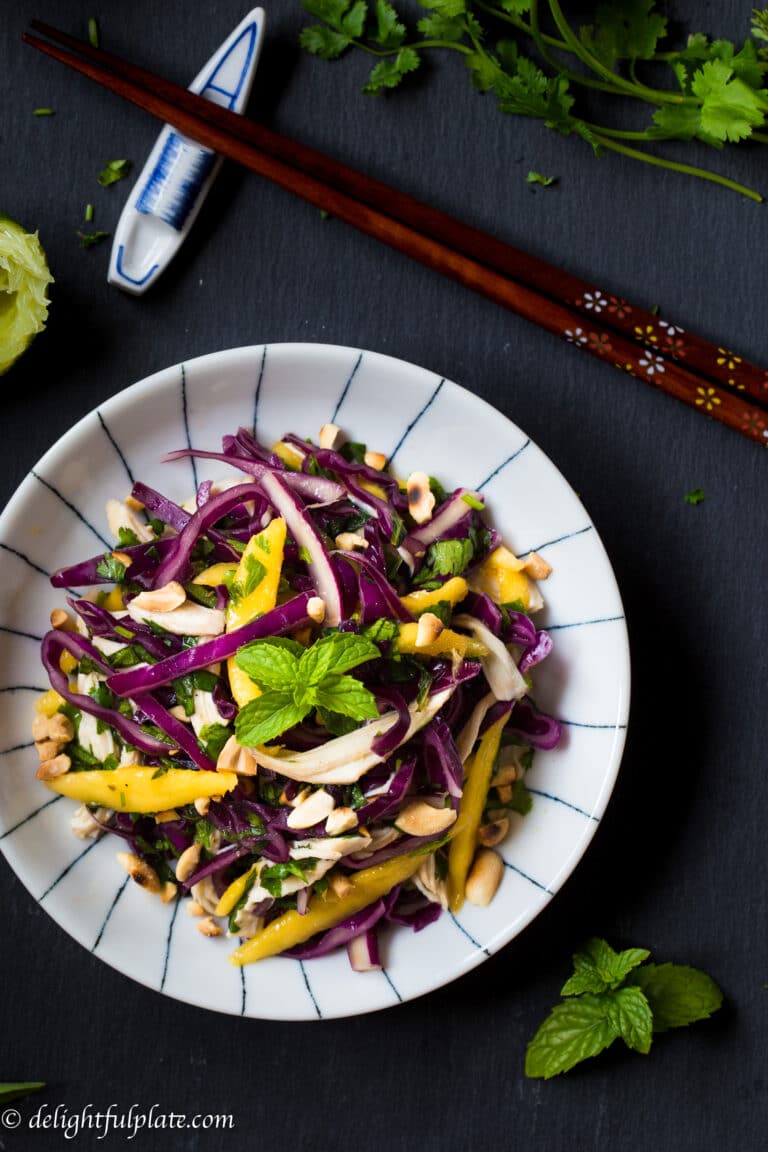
[(24, 280)]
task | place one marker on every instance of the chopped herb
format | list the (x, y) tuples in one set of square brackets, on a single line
[(353, 451), (473, 502), (204, 833), (127, 537), (272, 877), (161, 771), (213, 737), (537, 178), (695, 496), (446, 558), (91, 239), (337, 724), (253, 575), (202, 595), (93, 32), (358, 799), (438, 491), (382, 631), (113, 171), (305, 555), (157, 525), (110, 568), (122, 799), (43, 112), (88, 213)]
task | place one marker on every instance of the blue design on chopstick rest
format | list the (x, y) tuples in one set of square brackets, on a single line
[(183, 166), (172, 188), (138, 280)]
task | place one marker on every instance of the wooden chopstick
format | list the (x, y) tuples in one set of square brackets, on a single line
[(448, 246)]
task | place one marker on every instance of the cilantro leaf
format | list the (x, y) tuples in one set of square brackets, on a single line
[(630, 1015), (677, 995), (730, 109), (267, 716), (627, 31), (446, 8), (389, 33), (127, 537), (441, 28), (113, 171), (271, 666), (347, 696), (331, 11), (446, 558), (516, 7), (273, 875), (390, 72), (335, 653), (571, 1033), (213, 737), (110, 568), (323, 42), (597, 968)]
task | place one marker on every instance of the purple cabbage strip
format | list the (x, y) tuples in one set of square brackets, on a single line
[(391, 801), (485, 610), (225, 706), (161, 507), (221, 860), (536, 652), (399, 847), (413, 910), (144, 559), (387, 742), (177, 565), (387, 595), (104, 624), (244, 443), (204, 492), (284, 618), (340, 934), (53, 645), (451, 520), (181, 734), (441, 759), (305, 534), (534, 727), (314, 488), (370, 959)]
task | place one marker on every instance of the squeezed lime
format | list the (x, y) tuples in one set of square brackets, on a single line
[(24, 280)]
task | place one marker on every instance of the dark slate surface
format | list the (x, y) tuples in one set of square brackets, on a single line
[(678, 863)]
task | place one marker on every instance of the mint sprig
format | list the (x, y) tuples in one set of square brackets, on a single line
[(295, 680), (614, 995)]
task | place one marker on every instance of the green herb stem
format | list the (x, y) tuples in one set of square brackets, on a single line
[(674, 166)]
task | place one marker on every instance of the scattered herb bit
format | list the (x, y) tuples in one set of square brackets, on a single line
[(715, 91), (294, 681), (695, 496), (43, 112), (213, 737), (91, 239), (473, 502), (115, 170), (88, 213), (110, 568), (272, 877), (445, 558), (255, 572), (127, 537), (93, 32), (537, 178), (324, 215), (614, 995)]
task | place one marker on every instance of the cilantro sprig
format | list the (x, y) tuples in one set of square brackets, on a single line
[(294, 681), (616, 995), (716, 90)]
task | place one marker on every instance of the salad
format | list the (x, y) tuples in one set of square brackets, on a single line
[(301, 699)]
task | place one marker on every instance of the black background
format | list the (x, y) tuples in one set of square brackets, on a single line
[(677, 865)]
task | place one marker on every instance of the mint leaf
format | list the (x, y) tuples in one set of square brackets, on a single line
[(337, 724), (389, 33), (270, 665), (571, 1033), (389, 73), (333, 654), (267, 716), (631, 1017), (597, 968), (347, 696), (677, 995)]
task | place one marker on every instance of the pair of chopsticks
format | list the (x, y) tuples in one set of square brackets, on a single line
[(710, 379)]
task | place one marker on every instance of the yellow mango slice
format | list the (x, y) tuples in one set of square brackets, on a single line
[(501, 578), (475, 790), (446, 643), (291, 928), (113, 601), (374, 489), (288, 454), (237, 888), (49, 703), (67, 662), (454, 591), (267, 547), (139, 790), (216, 574)]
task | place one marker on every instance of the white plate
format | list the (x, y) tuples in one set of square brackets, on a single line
[(422, 422)]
